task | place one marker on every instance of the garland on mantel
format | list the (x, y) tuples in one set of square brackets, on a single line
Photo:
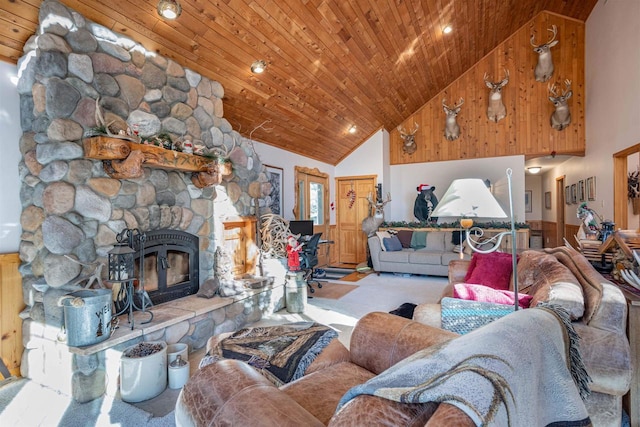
[(456, 224)]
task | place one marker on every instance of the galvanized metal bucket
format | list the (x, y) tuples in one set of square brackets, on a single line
[(87, 316)]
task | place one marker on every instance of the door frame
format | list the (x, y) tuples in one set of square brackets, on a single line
[(620, 190), (560, 210), (338, 179)]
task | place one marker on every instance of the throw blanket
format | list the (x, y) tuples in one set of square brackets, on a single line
[(280, 353), (462, 316), (522, 369), (590, 280)]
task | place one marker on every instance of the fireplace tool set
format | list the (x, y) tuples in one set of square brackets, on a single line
[(129, 293)]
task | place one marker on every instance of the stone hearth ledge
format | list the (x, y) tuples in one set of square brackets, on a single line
[(164, 315)]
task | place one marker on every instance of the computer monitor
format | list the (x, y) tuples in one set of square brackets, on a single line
[(302, 227)]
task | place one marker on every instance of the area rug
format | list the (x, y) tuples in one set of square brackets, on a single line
[(332, 290), (355, 276)]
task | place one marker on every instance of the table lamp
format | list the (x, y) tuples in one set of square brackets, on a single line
[(470, 198)]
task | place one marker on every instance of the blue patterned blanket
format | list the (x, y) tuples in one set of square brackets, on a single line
[(462, 316)]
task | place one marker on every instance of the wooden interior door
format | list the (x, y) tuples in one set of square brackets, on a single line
[(312, 202), (352, 209)]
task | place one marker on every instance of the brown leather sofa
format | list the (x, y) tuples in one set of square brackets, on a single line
[(602, 330), (231, 392)]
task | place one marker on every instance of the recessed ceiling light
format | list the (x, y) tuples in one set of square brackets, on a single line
[(258, 66), (353, 129), (169, 9), (447, 29), (534, 169)]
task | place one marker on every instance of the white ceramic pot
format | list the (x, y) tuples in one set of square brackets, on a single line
[(143, 378), (173, 350)]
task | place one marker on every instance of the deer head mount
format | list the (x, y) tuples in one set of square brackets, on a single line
[(561, 117), (371, 223), (496, 110), (409, 141), (544, 67), (451, 128)]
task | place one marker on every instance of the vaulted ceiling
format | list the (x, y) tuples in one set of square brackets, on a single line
[(331, 64)]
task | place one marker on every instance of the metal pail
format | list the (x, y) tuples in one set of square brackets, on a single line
[(87, 316)]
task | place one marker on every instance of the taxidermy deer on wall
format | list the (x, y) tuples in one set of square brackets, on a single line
[(544, 67), (561, 117), (409, 139), (451, 128), (371, 223), (496, 110)]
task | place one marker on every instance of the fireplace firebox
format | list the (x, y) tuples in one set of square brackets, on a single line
[(170, 264)]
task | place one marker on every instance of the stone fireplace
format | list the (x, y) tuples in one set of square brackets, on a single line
[(73, 208)]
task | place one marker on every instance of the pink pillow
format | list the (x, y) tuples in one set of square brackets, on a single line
[(492, 270), (471, 292)]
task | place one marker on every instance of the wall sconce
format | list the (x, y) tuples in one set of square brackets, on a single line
[(534, 169), (169, 9), (258, 67)]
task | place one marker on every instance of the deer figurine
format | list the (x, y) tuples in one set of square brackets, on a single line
[(544, 67), (409, 141), (561, 117), (496, 110), (371, 223), (451, 128)]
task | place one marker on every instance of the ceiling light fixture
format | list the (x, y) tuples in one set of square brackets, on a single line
[(169, 9), (534, 169), (447, 29), (353, 129), (258, 67)]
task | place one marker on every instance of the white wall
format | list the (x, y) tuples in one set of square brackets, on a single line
[(534, 184), (405, 179), (272, 156), (612, 68), (10, 183)]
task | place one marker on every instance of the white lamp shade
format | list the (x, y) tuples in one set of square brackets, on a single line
[(468, 198)]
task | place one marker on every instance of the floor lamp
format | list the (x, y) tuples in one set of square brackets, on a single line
[(470, 198)]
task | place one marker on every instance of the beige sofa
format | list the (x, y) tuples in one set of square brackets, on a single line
[(602, 328), (431, 260)]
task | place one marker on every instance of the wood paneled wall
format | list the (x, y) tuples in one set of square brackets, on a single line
[(11, 304), (549, 239), (526, 129)]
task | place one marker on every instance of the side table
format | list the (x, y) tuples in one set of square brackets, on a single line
[(631, 401)]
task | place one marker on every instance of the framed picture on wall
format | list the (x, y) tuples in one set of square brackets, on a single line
[(567, 195), (574, 193), (528, 202), (275, 178), (581, 197), (591, 188), (547, 200)]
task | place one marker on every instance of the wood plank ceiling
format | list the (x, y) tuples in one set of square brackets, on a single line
[(331, 64)]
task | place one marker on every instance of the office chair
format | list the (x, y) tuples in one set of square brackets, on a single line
[(309, 259)]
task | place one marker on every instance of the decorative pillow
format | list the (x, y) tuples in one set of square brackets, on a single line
[(382, 235), (392, 244), (405, 237), (547, 280), (471, 292), (492, 270), (419, 239)]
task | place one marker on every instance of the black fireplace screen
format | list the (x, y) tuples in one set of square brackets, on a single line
[(170, 264)]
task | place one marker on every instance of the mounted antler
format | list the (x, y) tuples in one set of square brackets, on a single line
[(371, 223), (451, 128), (496, 110), (409, 146), (561, 117), (544, 67)]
